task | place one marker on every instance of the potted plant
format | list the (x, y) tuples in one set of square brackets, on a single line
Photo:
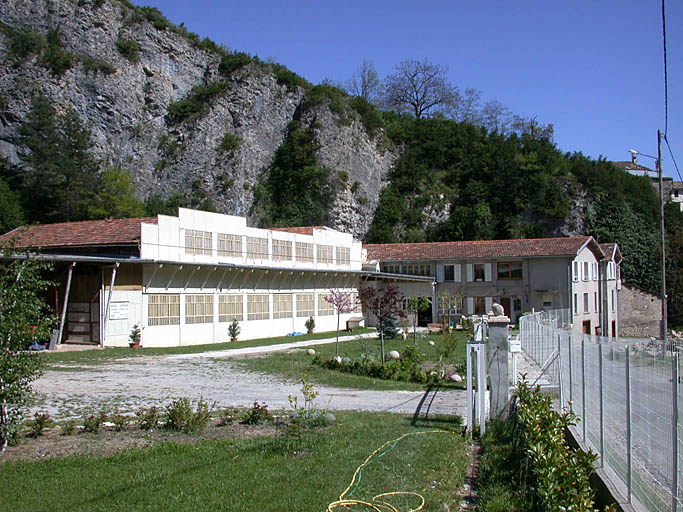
[(234, 330), (135, 337), (310, 325)]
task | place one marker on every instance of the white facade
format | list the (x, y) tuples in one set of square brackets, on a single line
[(200, 270)]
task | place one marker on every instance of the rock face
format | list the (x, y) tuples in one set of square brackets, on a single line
[(127, 110)]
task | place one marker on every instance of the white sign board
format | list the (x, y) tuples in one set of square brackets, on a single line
[(118, 311)]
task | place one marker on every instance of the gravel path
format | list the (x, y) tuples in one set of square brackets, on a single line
[(129, 384)]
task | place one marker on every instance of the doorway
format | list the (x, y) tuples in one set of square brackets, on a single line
[(587, 327)]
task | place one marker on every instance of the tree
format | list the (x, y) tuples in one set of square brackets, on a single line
[(385, 304), (11, 213), (23, 317), (365, 82), (420, 88), (115, 196), (60, 181), (343, 303), (415, 305)]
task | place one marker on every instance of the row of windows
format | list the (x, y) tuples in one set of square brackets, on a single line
[(165, 309), (587, 301), (588, 271), (200, 242), (453, 273)]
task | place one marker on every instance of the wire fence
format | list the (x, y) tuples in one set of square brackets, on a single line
[(626, 395)]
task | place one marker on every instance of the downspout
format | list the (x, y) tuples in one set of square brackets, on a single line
[(106, 309), (66, 303)]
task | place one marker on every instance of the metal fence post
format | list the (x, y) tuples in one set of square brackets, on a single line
[(583, 386), (602, 408), (559, 369), (674, 430), (571, 377), (628, 424)]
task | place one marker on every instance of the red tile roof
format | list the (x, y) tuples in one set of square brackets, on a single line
[(84, 233), (302, 230), (567, 246)]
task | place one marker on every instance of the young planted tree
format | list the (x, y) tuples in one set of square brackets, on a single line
[(385, 304), (23, 317), (415, 305), (343, 303)]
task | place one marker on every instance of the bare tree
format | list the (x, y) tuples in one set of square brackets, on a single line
[(466, 108), (419, 87), (496, 117), (365, 82), (530, 126)]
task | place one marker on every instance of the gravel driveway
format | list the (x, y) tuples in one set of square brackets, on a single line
[(129, 384)]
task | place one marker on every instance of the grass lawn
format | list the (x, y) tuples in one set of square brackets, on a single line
[(96, 356), (292, 364), (252, 474)]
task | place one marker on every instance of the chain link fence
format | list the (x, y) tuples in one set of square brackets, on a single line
[(626, 394)]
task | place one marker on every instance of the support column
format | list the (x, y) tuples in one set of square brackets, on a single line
[(498, 364), (66, 303)]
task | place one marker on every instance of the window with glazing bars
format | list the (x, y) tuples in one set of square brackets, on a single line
[(324, 307), (230, 307), (257, 248), (304, 252), (258, 307), (305, 305), (282, 250), (197, 242), (282, 305), (324, 253), (229, 245), (198, 309), (343, 256), (163, 309)]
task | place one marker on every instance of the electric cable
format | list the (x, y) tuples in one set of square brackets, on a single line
[(673, 159), (666, 78), (377, 504)]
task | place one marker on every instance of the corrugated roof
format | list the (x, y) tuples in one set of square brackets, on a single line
[(530, 247), (84, 233)]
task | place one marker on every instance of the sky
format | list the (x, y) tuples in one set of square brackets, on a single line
[(594, 69)]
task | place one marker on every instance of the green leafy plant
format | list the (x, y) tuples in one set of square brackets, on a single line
[(233, 61), (93, 422), (310, 325), (182, 418), (234, 329), (120, 421), (54, 56), (257, 414), (301, 419), (416, 304), (148, 419), (197, 103), (135, 336), (229, 144), (68, 427), (227, 416), (96, 65), (129, 48), (23, 43), (41, 421)]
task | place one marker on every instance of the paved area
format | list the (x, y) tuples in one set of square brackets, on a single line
[(129, 384)]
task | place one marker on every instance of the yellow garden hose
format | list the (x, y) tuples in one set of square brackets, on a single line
[(377, 505)]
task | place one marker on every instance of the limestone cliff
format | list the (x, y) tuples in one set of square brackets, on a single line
[(124, 96)]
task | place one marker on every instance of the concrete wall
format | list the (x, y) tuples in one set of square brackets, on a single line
[(640, 313)]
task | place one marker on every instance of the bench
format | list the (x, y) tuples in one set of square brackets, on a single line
[(434, 328), (353, 323)]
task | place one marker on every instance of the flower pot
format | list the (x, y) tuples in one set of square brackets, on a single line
[(233, 339), (134, 344)]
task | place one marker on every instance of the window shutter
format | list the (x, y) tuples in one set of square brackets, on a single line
[(439, 273), (470, 272), (470, 305), (595, 271), (457, 273), (575, 271), (488, 301), (487, 273)]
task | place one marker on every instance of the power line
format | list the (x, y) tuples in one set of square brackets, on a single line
[(666, 78), (672, 157)]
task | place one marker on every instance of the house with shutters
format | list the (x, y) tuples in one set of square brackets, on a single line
[(573, 273), (183, 279)]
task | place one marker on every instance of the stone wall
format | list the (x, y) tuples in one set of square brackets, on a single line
[(640, 313)]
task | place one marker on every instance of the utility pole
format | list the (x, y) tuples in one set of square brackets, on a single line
[(664, 326)]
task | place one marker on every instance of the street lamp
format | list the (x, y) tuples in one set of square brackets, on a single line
[(658, 163)]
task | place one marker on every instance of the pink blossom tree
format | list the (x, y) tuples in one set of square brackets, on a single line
[(385, 304), (343, 303)]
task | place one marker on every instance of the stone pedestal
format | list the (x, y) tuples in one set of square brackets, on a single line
[(498, 364)]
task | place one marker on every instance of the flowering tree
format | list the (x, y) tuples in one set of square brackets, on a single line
[(343, 303), (23, 317), (385, 304), (415, 305)]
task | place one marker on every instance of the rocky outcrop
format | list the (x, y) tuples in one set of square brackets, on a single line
[(125, 102)]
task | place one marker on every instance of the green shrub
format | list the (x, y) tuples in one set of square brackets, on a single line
[(129, 48), (23, 42), (148, 419), (369, 115), (54, 56), (320, 93), (310, 324), (288, 78), (405, 369), (96, 65), (68, 427), (231, 62), (93, 422), (181, 418), (197, 103), (120, 421), (227, 416), (257, 414), (40, 422), (229, 144)]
